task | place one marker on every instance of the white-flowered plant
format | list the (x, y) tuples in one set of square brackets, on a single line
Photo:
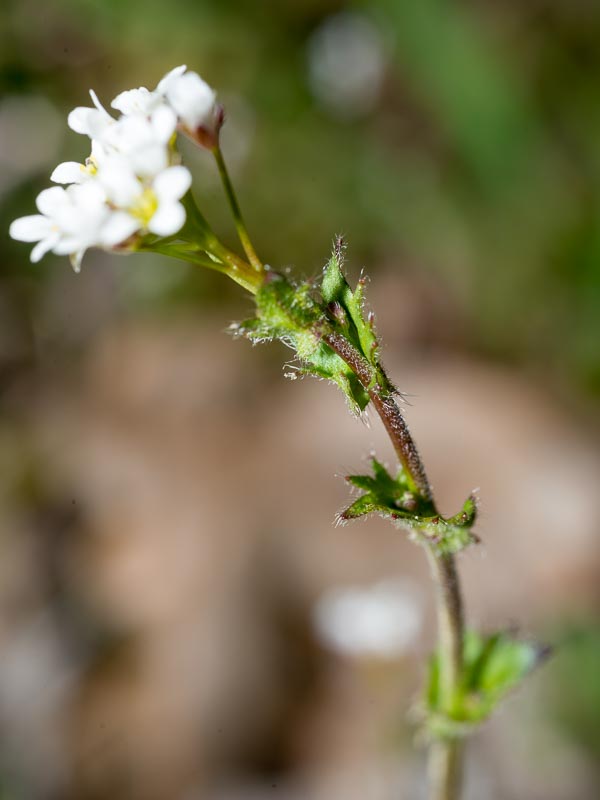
[(133, 194), (129, 190)]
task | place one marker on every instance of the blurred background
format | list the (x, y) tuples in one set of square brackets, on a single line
[(172, 616)]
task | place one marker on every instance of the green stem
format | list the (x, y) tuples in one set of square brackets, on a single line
[(242, 231), (237, 269), (450, 616), (445, 769)]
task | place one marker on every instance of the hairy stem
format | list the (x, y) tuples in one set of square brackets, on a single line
[(450, 625), (388, 410), (445, 755)]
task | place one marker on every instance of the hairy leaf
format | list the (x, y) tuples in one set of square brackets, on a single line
[(392, 498)]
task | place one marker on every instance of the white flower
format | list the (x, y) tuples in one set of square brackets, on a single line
[(128, 184), (143, 141), (155, 207), (193, 100), (142, 134), (71, 220), (143, 101), (379, 621)]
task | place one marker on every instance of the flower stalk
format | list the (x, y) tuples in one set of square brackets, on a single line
[(236, 212)]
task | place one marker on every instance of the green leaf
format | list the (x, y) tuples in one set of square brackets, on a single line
[(392, 498), (321, 361), (493, 666), (287, 312), (346, 309)]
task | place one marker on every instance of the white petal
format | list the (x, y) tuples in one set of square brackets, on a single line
[(119, 181), (164, 122), (50, 200), (118, 227), (69, 172), (87, 196), (41, 248), (90, 121), (98, 151), (192, 99), (30, 229), (78, 119), (68, 244), (134, 101), (98, 104), (150, 160), (167, 220), (172, 184), (174, 73)]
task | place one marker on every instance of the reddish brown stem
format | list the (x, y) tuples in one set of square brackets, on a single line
[(388, 410), (445, 761)]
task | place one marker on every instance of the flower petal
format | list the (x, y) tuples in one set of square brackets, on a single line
[(78, 119), (133, 101), (50, 200), (168, 78), (67, 245), (172, 183), (118, 227), (88, 196), (167, 220), (98, 104), (120, 182), (89, 121), (30, 229), (69, 172), (41, 248), (164, 122), (192, 99)]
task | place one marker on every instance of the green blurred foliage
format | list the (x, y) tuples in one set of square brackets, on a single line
[(572, 689), (479, 165)]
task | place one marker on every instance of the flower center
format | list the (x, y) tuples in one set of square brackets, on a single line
[(90, 167), (145, 206)]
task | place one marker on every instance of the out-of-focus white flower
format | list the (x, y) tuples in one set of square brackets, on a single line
[(381, 621), (346, 62), (71, 220)]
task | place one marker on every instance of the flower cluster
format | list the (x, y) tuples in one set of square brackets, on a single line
[(132, 183)]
